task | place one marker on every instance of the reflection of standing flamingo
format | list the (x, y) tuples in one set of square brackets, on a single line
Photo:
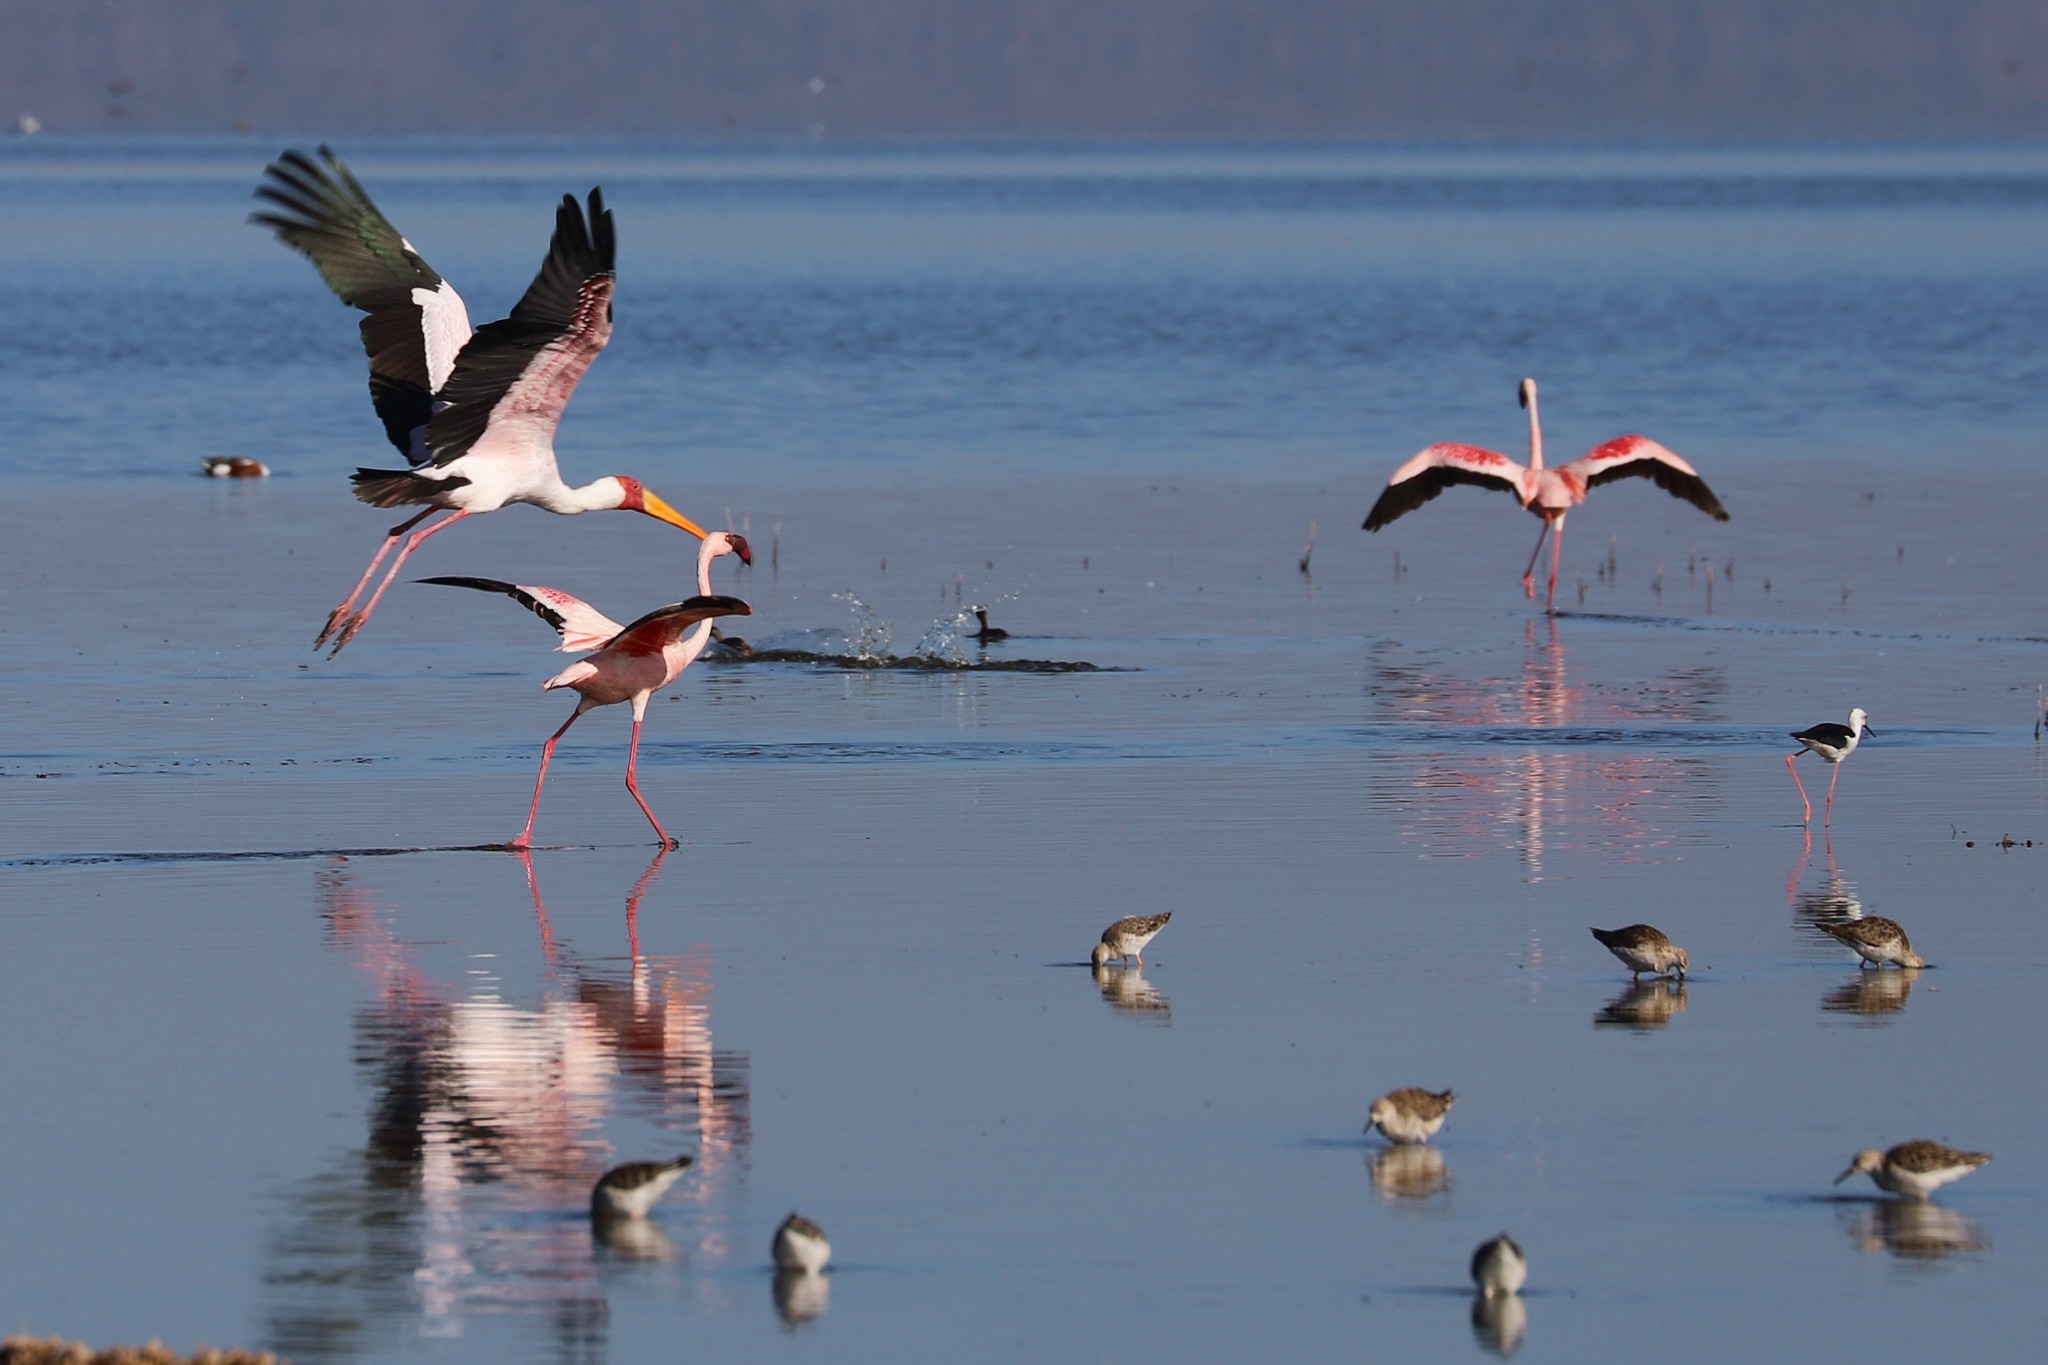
[(1549, 493), (632, 662), (473, 413), (1834, 743)]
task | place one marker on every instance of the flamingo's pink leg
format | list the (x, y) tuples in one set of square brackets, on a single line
[(1806, 819), (1556, 552), (632, 754), (413, 542), (1529, 573), (547, 751), (334, 617)]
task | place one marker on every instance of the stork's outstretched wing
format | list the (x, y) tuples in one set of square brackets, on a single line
[(1438, 468), (515, 376), (415, 322), (1639, 457), (581, 626)]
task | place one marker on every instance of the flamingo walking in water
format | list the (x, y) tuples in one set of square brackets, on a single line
[(1833, 743), (1549, 493), (631, 662), (474, 413)]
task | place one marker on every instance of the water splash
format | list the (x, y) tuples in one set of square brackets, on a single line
[(945, 641), (870, 638)]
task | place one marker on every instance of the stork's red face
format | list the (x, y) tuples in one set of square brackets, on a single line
[(635, 497)]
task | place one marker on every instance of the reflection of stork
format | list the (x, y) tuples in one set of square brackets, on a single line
[(1549, 493)]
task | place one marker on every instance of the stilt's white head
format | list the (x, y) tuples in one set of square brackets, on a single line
[(1859, 723)]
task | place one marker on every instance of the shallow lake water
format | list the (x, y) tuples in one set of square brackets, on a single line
[(295, 1062)]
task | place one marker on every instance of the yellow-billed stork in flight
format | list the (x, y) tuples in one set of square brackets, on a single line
[(1549, 493), (632, 662), (474, 413)]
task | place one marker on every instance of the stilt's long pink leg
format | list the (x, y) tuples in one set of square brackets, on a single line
[(413, 542), (1529, 573), (632, 755), (1806, 819), (334, 617), (1828, 811), (547, 751)]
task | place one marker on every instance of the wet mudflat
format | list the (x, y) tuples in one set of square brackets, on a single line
[(298, 1064)]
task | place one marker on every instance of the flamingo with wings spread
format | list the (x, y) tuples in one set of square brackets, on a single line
[(1549, 493), (631, 663)]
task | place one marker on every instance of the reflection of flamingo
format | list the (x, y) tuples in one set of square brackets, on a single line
[(632, 662), (1833, 743), (1549, 493), (474, 413)]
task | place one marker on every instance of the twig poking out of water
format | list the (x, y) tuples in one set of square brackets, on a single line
[(1902, 554), (1400, 569), (1657, 581), (1729, 572), (1767, 583), (1613, 562), (1308, 549), (1582, 590), (1710, 588), (2040, 710), (1845, 597), (1084, 563), (885, 566), (1692, 562), (775, 548)]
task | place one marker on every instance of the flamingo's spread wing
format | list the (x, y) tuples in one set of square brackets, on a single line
[(663, 626), (1639, 457), (1436, 469), (581, 626), (415, 322), (517, 374)]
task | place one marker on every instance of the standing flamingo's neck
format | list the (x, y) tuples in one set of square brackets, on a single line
[(699, 635), (1535, 426)]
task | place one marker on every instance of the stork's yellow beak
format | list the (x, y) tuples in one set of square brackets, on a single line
[(661, 511)]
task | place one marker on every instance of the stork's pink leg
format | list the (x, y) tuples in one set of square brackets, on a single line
[(547, 752), (1529, 573), (412, 542), (1828, 811), (632, 754), (1806, 819), (334, 617)]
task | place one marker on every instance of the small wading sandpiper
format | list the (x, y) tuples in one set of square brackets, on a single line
[(1644, 949), (1410, 1114), (1914, 1169), (1499, 1267), (1126, 939), (1877, 940), (800, 1245), (1834, 743), (629, 1191)]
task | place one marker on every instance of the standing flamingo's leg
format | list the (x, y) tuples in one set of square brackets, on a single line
[(1807, 818), (1828, 811), (1556, 552), (1529, 573), (348, 605), (547, 751), (632, 754), (361, 618)]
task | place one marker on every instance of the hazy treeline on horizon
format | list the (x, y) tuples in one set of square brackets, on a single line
[(1036, 68)]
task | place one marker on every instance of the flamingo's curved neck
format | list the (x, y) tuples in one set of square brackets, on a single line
[(1535, 434), (699, 635)]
